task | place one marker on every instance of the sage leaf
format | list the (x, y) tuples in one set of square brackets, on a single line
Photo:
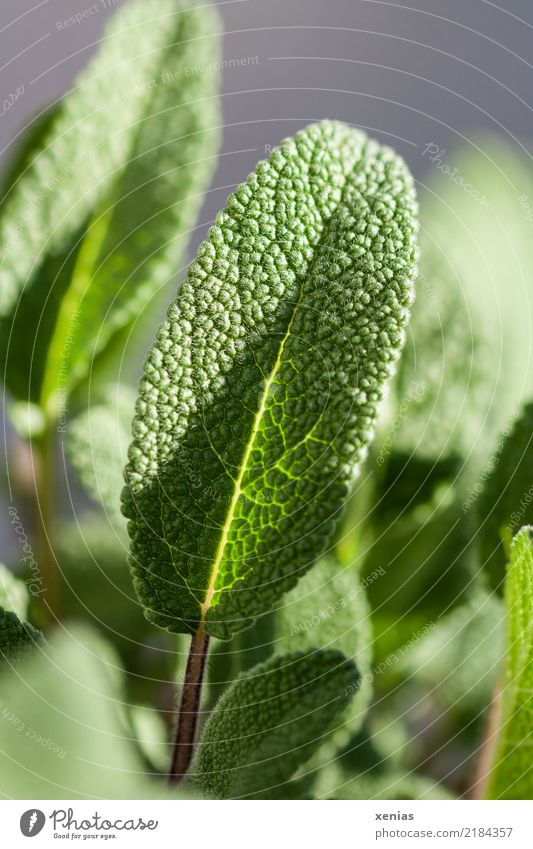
[(270, 720), (14, 594), (260, 393), (97, 440), (98, 221), (512, 773), (16, 637)]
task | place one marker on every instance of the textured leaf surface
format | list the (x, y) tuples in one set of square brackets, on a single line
[(506, 502), (512, 775), (260, 393), (468, 342), (62, 728), (269, 722), (16, 637), (97, 442), (14, 594), (98, 221)]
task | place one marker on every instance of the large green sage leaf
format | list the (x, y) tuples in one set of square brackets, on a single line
[(260, 394), (97, 222), (512, 773), (270, 721)]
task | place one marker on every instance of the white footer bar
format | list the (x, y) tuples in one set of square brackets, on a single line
[(266, 825)]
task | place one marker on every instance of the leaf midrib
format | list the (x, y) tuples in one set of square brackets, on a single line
[(237, 492), (89, 253), (206, 606), (69, 308)]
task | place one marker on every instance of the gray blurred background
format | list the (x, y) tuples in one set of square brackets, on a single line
[(410, 73)]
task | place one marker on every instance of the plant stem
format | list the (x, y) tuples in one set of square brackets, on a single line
[(45, 505), (183, 746), (487, 748)]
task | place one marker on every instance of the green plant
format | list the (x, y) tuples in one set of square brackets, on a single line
[(511, 776), (259, 397), (321, 491)]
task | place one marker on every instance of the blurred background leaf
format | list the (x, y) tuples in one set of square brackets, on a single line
[(97, 588), (460, 657), (64, 731), (97, 444), (468, 342), (123, 196)]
